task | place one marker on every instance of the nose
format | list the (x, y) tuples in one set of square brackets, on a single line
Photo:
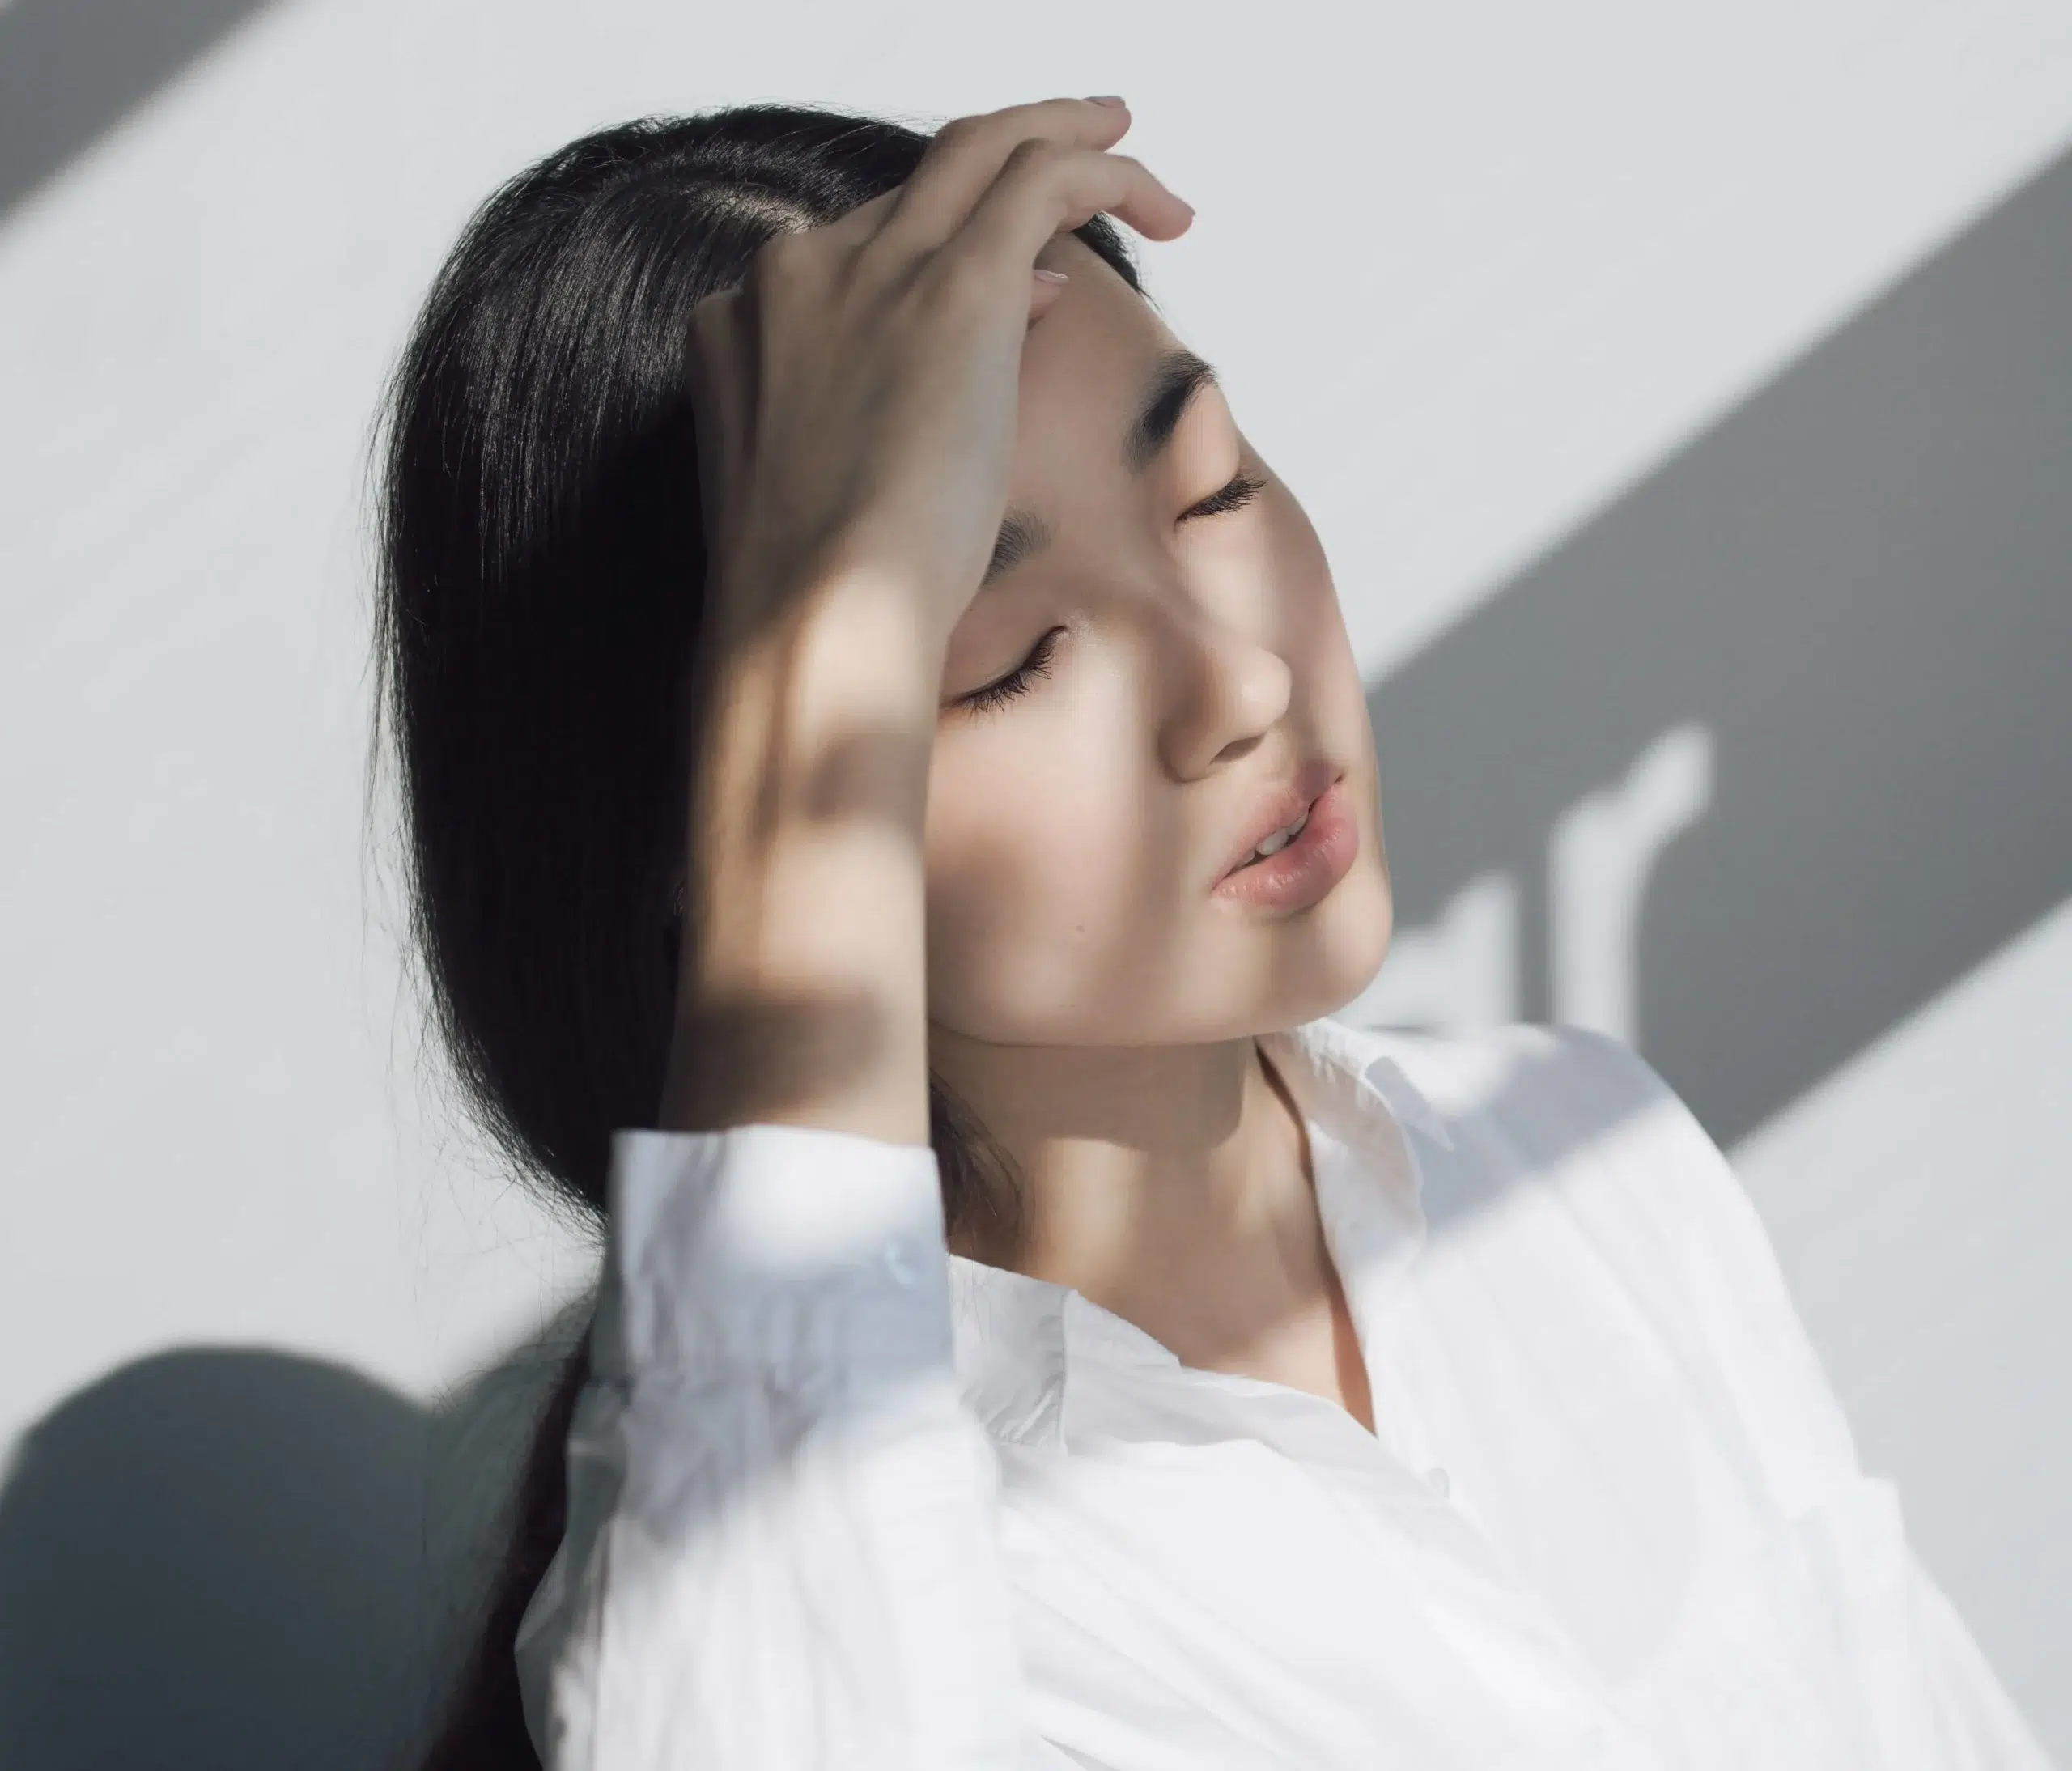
[(1227, 691)]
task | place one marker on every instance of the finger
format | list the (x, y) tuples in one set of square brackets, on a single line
[(967, 156), (718, 365), (1044, 287), (1042, 191), (719, 377)]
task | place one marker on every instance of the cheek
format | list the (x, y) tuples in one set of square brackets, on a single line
[(1314, 639), (1046, 859), (1311, 635), (1310, 629)]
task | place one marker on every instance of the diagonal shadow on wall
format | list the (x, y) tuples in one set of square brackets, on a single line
[(71, 69), (1859, 585)]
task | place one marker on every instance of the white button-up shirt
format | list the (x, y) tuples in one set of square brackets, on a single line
[(839, 1498)]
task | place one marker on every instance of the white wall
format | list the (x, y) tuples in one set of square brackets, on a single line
[(1473, 273)]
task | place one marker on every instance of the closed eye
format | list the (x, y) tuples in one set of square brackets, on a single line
[(1235, 496), (1018, 681)]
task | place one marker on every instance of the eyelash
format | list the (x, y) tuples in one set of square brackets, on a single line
[(1018, 681), (1237, 494)]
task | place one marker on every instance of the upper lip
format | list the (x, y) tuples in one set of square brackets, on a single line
[(1279, 807)]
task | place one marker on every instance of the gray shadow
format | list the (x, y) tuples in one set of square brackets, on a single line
[(1861, 581), (237, 1558), (71, 69), (209, 1558)]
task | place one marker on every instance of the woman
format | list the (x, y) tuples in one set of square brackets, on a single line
[(891, 804)]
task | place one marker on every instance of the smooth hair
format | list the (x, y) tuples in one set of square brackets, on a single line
[(538, 609)]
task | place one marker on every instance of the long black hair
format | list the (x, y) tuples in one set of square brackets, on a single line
[(540, 574)]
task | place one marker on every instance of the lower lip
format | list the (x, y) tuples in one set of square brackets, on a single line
[(1300, 874)]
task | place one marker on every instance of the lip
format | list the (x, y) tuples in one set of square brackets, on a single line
[(1308, 867)]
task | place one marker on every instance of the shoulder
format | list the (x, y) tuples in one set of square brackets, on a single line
[(1457, 1066), (1539, 1107), (1547, 1097), (1606, 1171)]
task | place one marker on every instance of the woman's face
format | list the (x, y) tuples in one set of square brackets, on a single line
[(1191, 666)]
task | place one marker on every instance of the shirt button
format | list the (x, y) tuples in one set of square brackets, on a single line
[(897, 1263), (1437, 1479)]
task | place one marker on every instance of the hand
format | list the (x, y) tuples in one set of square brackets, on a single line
[(855, 396)]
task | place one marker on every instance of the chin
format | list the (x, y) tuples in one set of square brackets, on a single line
[(1355, 940)]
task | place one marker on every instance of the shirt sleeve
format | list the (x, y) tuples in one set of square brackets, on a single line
[(1937, 1699), (780, 1546)]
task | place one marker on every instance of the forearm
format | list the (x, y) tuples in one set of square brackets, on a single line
[(781, 1550), (801, 996)]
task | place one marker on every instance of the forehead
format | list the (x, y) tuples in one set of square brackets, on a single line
[(1084, 364)]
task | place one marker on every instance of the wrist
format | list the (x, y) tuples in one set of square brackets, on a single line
[(801, 993), (827, 711)]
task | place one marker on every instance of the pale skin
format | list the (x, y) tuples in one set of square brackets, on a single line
[(887, 874)]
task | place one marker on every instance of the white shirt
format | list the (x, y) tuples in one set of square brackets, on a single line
[(839, 1498)]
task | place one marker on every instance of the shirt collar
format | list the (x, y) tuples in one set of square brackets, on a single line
[(1359, 1058), (1018, 1338)]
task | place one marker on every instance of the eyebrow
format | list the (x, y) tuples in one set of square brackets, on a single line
[(1175, 379)]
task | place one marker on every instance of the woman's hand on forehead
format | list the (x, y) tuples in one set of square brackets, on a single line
[(856, 395)]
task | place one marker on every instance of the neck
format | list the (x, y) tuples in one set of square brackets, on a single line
[(1169, 1184)]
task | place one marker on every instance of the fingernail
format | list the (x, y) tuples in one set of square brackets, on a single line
[(1052, 276), (1104, 98)]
